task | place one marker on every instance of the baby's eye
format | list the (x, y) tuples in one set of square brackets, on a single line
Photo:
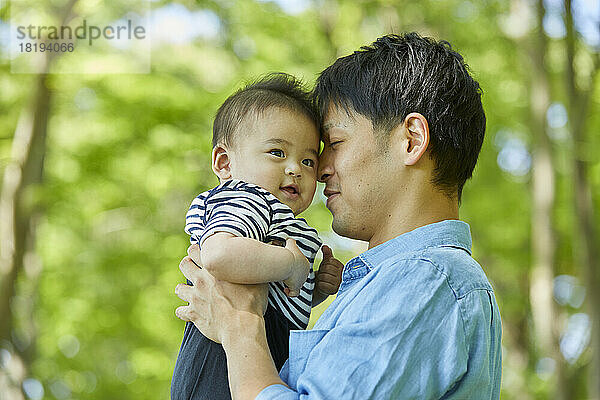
[(276, 153), (308, 162)]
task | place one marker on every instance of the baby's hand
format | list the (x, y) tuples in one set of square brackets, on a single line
[(329, 275), (300, 270)]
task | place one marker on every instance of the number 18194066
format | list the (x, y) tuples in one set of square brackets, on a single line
[(42, 47)]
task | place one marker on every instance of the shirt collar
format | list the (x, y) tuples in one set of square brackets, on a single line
[(448, 233)]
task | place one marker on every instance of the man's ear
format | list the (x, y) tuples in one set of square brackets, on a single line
[(221, 162), (417, 137)]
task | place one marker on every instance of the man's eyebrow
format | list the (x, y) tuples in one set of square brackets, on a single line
[(333, 124), (313, 151), (328, 126)]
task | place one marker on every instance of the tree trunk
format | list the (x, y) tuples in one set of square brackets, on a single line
[(586, 236), (543, 307), (17, 212), (23, 172)]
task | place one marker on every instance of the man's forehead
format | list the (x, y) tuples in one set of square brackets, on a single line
[(343, 122), (339, 117)]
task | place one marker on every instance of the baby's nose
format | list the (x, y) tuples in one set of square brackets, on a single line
[(292, 170)]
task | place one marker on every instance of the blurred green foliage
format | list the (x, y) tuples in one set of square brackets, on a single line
[(127, 153)]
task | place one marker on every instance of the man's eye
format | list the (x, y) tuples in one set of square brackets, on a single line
[(333, 144), (308, 162), (276, 153)]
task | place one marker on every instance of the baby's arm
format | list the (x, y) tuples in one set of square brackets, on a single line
[(243, 260)]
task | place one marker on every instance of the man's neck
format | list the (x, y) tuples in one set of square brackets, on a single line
[(419, 211)]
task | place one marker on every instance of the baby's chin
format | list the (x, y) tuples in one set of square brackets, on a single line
[(295, 206)]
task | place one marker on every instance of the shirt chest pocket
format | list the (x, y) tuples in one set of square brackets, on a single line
[(301, 345)]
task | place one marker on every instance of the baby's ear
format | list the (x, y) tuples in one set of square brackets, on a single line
[(221, 162)]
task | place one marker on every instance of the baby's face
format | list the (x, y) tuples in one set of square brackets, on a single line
[(278, 150)]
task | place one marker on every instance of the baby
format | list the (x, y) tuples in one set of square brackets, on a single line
[(265, 153)]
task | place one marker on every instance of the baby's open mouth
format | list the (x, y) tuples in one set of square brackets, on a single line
[(291, 191)]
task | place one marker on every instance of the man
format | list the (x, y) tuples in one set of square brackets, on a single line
[(415, 316)]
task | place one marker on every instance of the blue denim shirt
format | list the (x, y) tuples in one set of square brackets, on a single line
[(415, 318)]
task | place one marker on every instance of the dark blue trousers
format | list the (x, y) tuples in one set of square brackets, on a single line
[(201, 368)]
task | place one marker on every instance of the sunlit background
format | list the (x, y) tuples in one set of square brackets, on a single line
[(98, 169)]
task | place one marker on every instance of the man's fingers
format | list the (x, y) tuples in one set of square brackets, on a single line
[(181, 313), (185, 313), (194, 253), (190, 270), (184, 292), (327, 252), (331, 269), (332, 265), (291, 293), (327, 288), (329, 276)]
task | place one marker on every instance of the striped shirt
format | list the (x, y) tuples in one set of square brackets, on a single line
[(247, 210)]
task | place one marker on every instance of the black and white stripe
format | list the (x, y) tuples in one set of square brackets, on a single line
[(244, 209)]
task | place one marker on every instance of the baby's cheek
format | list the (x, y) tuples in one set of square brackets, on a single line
[(311, 192)]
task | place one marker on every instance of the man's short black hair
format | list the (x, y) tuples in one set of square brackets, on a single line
[(400, 74), (274, 90)]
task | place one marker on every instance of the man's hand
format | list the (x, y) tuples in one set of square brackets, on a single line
[(300, 269), (230, 314), (329, 276), (216, 307)]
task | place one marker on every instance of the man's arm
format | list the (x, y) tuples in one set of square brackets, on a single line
[(246, 352), (386, 346), (231, 315), (243, 260)]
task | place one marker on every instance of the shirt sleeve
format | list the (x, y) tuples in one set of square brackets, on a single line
[(277, 392), (380, 351), (241, 212)]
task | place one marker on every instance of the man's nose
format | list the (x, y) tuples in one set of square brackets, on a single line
[(325, 166)]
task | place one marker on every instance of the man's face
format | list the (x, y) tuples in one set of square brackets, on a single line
[(356, 170), (277, 150)]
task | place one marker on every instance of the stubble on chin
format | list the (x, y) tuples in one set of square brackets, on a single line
[(352, 229), (341, 227)]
